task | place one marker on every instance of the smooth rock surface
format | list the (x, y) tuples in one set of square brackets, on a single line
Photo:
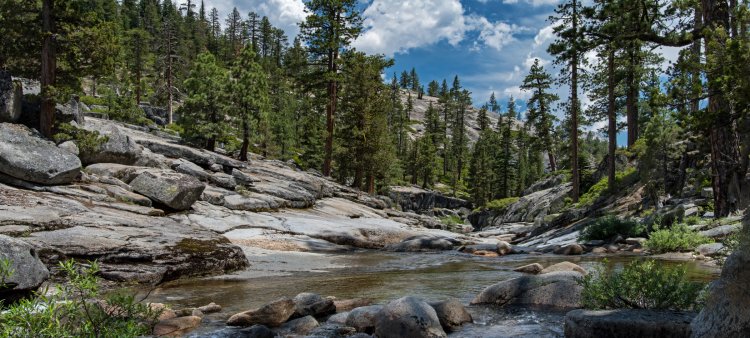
[(564, 266), (27, 156), (272, 314), (363, 318), (626, 323), (452, 314), (533, 268), (176, 327), (311, 304), (118, 148), (408, 317), (28, 271)]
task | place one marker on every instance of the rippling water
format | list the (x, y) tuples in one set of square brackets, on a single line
[(387, 276)]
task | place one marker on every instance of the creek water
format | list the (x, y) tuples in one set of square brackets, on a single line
[(386, 276)]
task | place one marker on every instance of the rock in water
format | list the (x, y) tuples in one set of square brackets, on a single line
[(408, 317), (272, 314), (10, 98), (452, 314), (554, 289), (564, 266), (27, 156), (725, 313), (299, 326), (28, 271), (256, 331), (311, 304), (533, 268), (363, 318), (118, 148), (175, 190), (626, 323), (176, 327)]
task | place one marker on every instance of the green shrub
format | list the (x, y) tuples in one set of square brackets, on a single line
[(451, 220), (78, 309), (692, 220), (175, 129), (676, 238), (641, 285), (500, 205), (90, 101), (599, 188), (608, 227), (87, 141)]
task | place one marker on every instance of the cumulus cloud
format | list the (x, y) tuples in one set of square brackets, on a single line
[(495, 35), (545, 35)]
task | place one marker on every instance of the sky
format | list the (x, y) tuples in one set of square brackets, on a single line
[(489, 44)]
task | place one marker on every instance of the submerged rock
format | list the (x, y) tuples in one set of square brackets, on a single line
[(272, 314), (408, 317), (626, 323), (555, 289), (26, 156)]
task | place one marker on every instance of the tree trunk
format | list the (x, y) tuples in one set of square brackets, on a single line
[(330, 112), (725, 152), (612, 118), (49, 65), (370, 184), (245, 140), (574, 109), (632, 94)]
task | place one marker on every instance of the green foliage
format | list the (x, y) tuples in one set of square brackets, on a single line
[(500, 205), (451, 220), (601, 188), (641, 285), (90, 100), (87, 141), (677, 238), (78, 309), (123, 108), (608, 227), (202, 117), (6, 270)]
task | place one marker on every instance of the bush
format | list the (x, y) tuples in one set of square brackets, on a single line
[(597, 190), (641, 285), (608, 227), (87, 141), (500, 205), (76, 310), (451, 220), (91, 101), (676, 238)]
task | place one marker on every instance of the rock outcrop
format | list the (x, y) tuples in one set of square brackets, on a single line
[(408, 317), (170, 188), (555, 289), (725, 313), (420, 200), (28, 272), (118, 148), (25, 155), (626, 323)]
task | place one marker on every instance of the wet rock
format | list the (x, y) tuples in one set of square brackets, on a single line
[(11, 93), (570, 249), (300, 326), (311, 304), (175, 190), (29, 271), (363, 318), (626, 323), (555, 289), (424, 243), (176, 327), (335, 331), (118, 148), (210, 308), (272, 314), (256, 331), (408, 317), (197, 313), (504, 248), (26, 156), (350, 304), (710, 249), (452, 314), (533, 268), (564, 266)]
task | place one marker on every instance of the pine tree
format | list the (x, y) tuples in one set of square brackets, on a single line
[(201, 115), (538, 81), (483, 121), (248, 91), (405, 80), (415, 85), (433, 88), (233, 32), (329, 29), (505, 158), (481, 173)]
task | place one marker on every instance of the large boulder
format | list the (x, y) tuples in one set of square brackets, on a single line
[(25, 155), (564, 266), (300, 326), (408, 317), (272, 314), (11, 93), (175, 190), (118, 148), (363, 318), (28, 271), (452, 314), (70, 112), (626, 323), (312, 304), (725, 313), (424, 243), (554, 289)]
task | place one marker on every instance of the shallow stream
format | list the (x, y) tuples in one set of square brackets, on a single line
[(383, 277)]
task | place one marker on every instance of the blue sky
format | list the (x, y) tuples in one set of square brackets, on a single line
[(489, 44)]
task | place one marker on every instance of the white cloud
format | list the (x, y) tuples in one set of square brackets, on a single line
[(545, 35), (395, 26), (284, 14), (534, 3), (517, 93)]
